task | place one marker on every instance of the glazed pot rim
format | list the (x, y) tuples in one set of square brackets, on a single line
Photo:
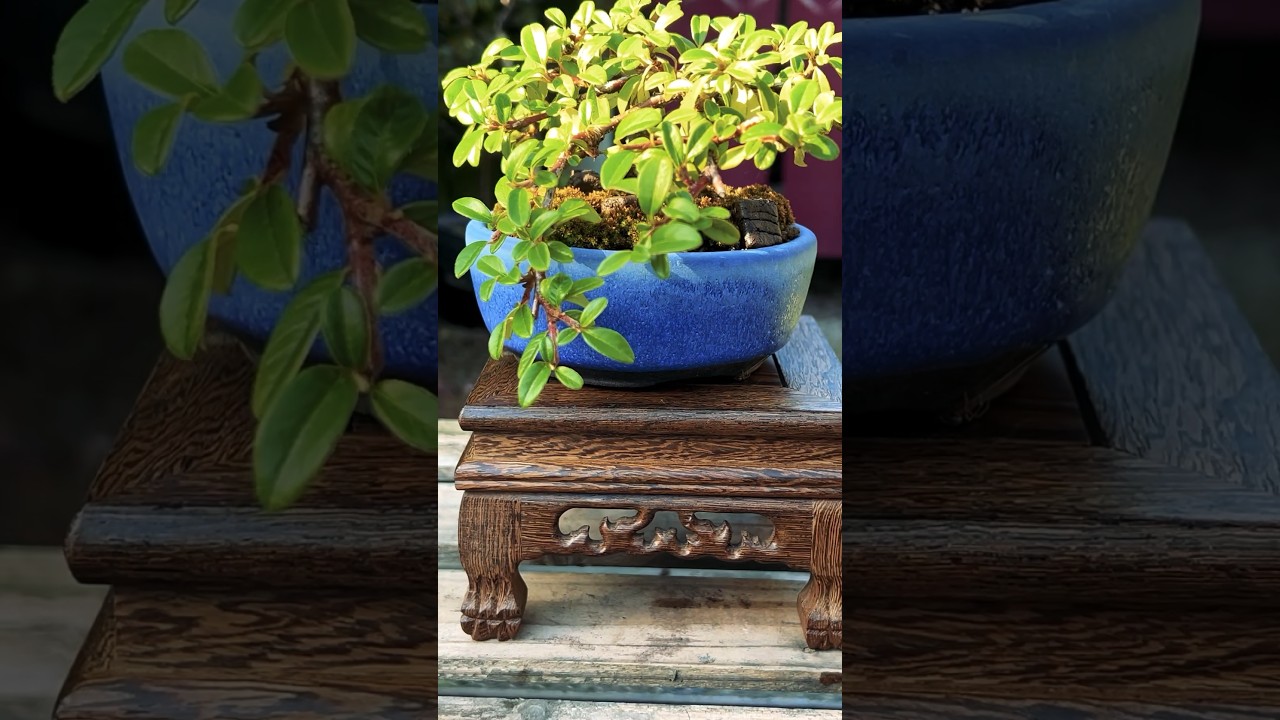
[(477, 232)]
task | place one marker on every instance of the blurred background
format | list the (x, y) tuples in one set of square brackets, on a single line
[(79, 290)]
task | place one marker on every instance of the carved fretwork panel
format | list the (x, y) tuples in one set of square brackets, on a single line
[(700, 537), (634, 530)]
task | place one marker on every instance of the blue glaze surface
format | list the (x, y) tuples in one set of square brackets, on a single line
[(210, 162), (998, 168), (716, 308)]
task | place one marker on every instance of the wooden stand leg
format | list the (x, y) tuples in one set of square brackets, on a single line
[(489, 546), (820, 599)]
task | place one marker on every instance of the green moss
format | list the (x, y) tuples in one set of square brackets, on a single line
[(617, 231)]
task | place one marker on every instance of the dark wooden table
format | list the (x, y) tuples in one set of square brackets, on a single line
[(1105, 543), (769, 446), (219, 610)]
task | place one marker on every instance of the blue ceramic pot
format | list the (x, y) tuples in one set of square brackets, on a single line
[(210, 162), (998, 168), (718, 314)]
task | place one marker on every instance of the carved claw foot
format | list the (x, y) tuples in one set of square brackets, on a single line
[(493, 608), (821, 613)]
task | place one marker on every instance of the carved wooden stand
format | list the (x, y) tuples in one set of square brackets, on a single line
[(218, 609), (770, 447)]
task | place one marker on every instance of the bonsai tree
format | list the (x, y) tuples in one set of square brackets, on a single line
[(351, 146), (666, 114)]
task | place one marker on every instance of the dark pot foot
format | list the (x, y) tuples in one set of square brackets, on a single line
[(953, 396), (621, 379)]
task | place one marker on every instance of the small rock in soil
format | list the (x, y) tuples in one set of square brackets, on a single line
[(586, 181)]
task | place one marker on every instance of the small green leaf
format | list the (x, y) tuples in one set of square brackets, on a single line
[(385, 130), (542, 223), (259, 23), (613, 263), (291, 340), (467, 256), (555, 288), (497, 337), (339, 127), (675, 237), (822, 147), (655, 183), (89, 38), (661, 266), (406, 284), (345, 329), (802, 95), (609, 343), (299, 432), (486, 289), (153, 137), (592, 311), (224, 259), (238, 100), (269, 242), (556, 15), (533, 40), (469, 147), (175, 10), (473, 209), (722, 231), (586, 284), (170, 62), (569, 377), (698, 26), (636, 121), (539, 256), (522, 321), (321, 36), (518, 206), (577, 209), (423, 213), (616, 167), (394, 26), (681, 207), (532, 382), (491, 265), (560, 252), (530, 353), (408, 411), (184, 304)]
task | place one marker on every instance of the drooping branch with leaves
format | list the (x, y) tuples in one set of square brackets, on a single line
[(666, 113), (352, 147)]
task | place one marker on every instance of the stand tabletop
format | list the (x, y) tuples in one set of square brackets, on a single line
[(775, 435)]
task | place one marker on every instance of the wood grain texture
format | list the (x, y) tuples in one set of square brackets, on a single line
[(1174, 373), (953, 707), (1132, 578), (457, 708), (653, 464), (1184, 657), (166, 654), (174, 499), (589, 630), (1155, 510), (447, 539), (716, 409)]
